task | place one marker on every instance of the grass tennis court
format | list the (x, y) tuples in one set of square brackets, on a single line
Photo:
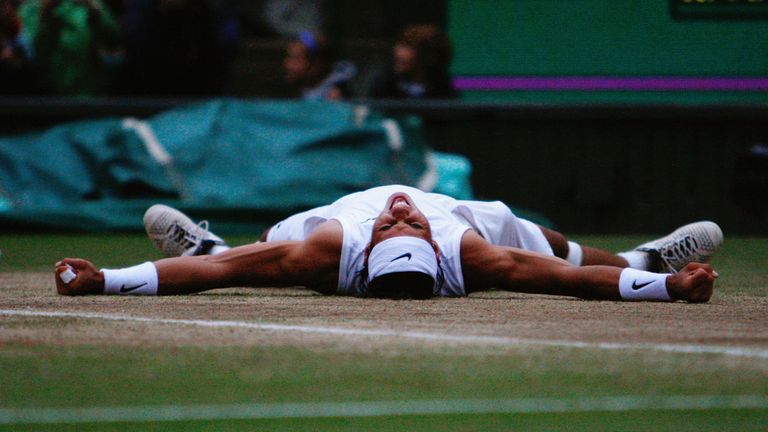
[(273, 359)]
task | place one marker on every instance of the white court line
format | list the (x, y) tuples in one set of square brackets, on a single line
[(438, 337), (150, 413)]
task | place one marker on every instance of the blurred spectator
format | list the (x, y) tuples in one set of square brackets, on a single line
[(73, 44), (16, 75), (291, 17), (420, 65), (179, 47), (311, 72)]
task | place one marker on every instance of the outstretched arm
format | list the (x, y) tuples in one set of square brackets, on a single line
[(313, 263), (488, 266)]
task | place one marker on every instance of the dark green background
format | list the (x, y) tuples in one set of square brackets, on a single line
[(603, 38)]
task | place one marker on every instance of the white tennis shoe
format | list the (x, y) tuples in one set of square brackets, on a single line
[(175, 234), (695, 242)]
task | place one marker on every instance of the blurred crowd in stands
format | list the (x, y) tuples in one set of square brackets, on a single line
[(185, 48)]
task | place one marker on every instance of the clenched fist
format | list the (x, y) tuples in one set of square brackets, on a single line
[(88, 279), (694, 283)]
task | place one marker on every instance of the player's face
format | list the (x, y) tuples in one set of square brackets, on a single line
[(400, 217)]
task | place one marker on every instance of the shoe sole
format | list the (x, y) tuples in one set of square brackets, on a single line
[(158, 220)]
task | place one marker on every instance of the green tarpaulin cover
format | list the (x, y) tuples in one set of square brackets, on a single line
[(242, 164)]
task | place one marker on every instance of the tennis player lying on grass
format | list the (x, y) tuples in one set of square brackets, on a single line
[(399, 242)]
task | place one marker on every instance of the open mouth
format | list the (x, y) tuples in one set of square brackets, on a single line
[(398, 199)]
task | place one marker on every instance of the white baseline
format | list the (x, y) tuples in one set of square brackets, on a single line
[(761, 353)]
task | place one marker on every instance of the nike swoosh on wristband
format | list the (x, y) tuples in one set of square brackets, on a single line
[(636, 286), (125, 289), (405, 255)]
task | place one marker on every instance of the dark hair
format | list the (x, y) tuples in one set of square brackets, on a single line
[(402, 285), (433, 51)]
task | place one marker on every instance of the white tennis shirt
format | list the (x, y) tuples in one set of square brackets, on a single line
[(449, 219)]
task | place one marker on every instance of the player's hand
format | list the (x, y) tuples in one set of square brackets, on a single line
[(88, 280), (694, 283)]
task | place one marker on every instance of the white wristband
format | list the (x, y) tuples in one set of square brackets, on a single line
[(642, 285), (136, 280)]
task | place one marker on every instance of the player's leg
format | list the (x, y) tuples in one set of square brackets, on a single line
[(578, 254), (498, 225), (175, 234), (695, 242)]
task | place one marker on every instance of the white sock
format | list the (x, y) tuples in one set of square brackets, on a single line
[(642, 285), (218, 249), (137, 280), (637, 260), (575, 254)]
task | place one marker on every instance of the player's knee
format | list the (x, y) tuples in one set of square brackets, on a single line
[(264, 235), (557, 242)]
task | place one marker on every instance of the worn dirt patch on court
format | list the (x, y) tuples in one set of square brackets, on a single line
[(725, 321)]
